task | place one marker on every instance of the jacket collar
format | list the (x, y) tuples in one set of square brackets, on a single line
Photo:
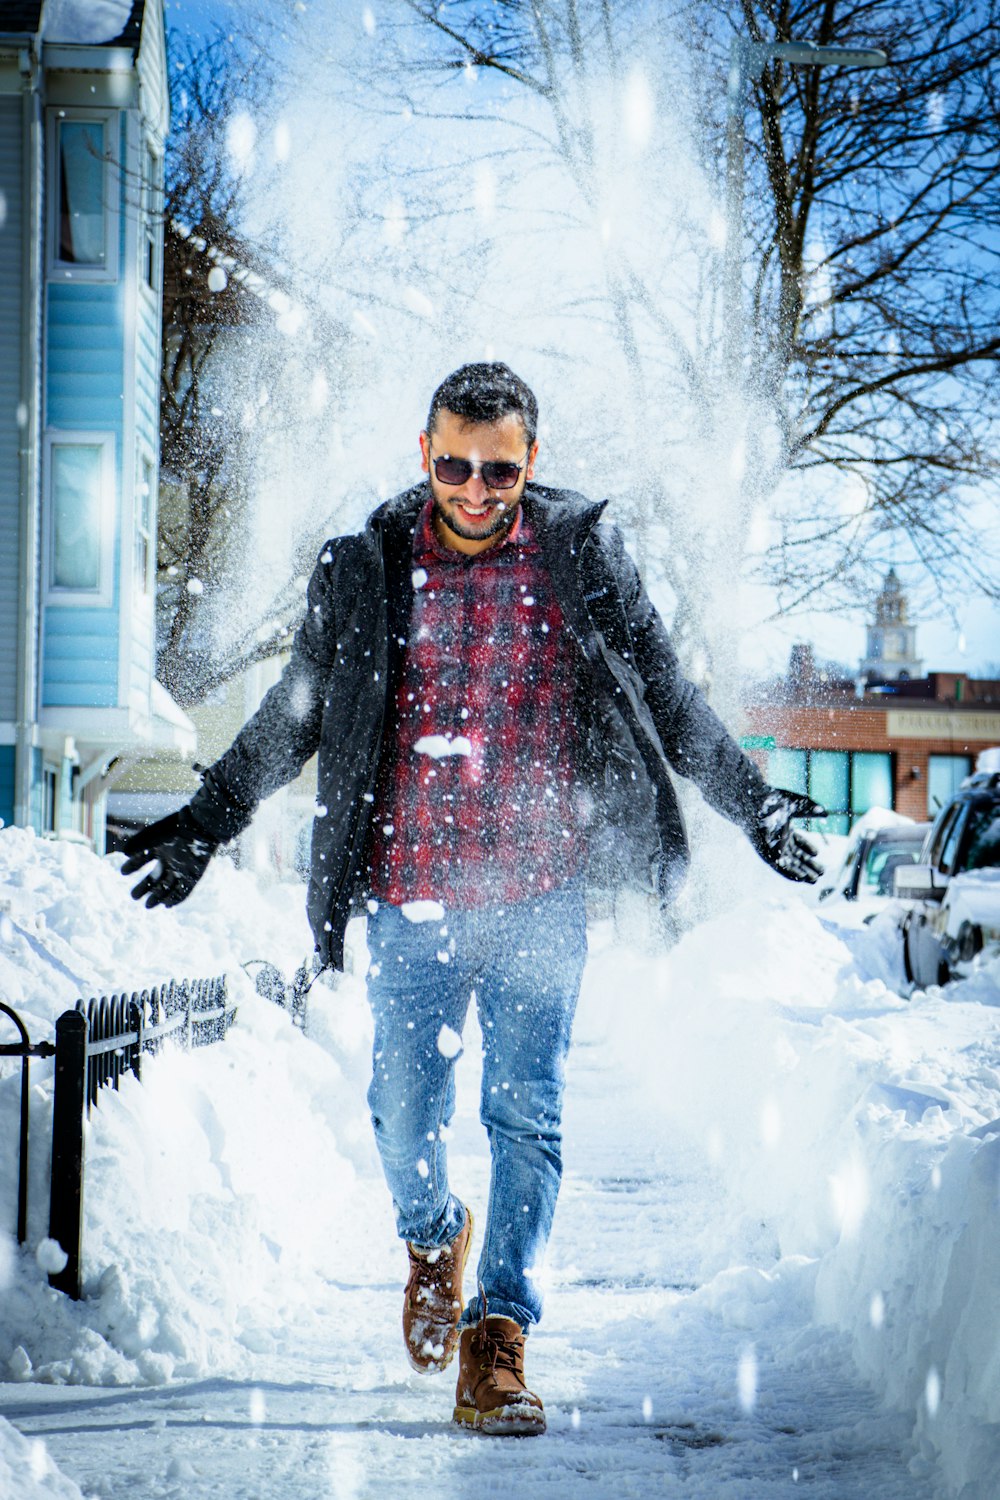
[(561, 519)]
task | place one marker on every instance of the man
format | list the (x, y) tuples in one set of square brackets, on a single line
[(495, 704)]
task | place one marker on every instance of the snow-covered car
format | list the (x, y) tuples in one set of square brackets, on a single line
[(874, 852), (951, 899)]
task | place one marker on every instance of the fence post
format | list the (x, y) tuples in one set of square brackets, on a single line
[(66, 1202)]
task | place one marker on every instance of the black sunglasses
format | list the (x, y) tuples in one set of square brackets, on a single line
[(497, 473)]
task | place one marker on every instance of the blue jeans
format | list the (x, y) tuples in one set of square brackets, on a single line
[(524, 962)]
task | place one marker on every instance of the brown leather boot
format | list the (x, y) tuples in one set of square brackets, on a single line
[(492, 1397), (432, 1302)]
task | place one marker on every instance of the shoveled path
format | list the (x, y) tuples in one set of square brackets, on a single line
[(641, 1361)]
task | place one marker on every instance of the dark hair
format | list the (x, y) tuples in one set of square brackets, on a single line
[(485, 393)]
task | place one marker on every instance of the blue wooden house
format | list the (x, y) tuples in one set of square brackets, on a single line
[(83, 118)]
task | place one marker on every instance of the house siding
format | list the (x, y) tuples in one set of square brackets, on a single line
[(81, 657), (84, 391), (11, 333)]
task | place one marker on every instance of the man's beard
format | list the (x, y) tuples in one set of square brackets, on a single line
[(502, 521)]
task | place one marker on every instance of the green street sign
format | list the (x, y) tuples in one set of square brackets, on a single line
[(757, 742)]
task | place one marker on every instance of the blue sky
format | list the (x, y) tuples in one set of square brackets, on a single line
[(968, 641)]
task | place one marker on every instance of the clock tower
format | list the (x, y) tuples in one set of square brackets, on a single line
[(891, 652)]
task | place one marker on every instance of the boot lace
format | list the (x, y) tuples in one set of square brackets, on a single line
[(492, 1346)]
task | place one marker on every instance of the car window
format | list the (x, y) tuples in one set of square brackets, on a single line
[(982, 846), (884, 858), (952, 840), (944, 827)]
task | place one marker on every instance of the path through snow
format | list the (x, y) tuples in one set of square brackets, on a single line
[(647, 1345)]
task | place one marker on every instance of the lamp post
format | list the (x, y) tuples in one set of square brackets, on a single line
[(746, 61)]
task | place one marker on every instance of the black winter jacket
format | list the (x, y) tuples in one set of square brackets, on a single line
[(637, 713)]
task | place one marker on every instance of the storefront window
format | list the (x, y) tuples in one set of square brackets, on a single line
[(945, 774), (788, 769), (871, 781), (847, 783)]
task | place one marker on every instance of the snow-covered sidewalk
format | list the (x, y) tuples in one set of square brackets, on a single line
[(773, 1270)]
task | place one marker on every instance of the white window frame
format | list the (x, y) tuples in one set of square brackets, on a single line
[(145, 588), (151, 199), (103, 596), (64, 270)]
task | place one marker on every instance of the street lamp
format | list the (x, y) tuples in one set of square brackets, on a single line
[(746, 61)]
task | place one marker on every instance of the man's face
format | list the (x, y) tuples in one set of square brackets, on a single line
[(470, 517)]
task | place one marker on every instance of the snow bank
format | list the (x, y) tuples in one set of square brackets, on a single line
[(853, 1139), (27, 1472), (222, 1191), (90, 22), (848, 1127)]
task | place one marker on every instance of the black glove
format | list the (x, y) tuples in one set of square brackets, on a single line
[(182, 850), (782, 846)]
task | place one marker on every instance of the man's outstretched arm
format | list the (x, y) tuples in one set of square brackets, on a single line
[(698, 745), (269, 751)]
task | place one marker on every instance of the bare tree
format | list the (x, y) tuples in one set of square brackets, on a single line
[(869, 284), (874, 290), (223, 296)]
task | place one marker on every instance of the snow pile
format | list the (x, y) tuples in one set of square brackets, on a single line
[(87, 22), (856, 1134), (27, 1471), (847, 1142), (222, 1191)]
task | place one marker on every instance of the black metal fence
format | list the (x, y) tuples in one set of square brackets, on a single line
[(95, 1045), (25, 1049)]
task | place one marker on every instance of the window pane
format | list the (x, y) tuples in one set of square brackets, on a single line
[(146, 497), (828, 779), (76, 516), (143, 526), (871, 781), (952, 842), (945, 774), (787, 768), (982, 848), (81, 192)]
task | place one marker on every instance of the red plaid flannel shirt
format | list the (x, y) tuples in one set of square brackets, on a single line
[(476, 803)]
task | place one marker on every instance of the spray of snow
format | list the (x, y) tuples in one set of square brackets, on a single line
[(422, 911), (439, 746)]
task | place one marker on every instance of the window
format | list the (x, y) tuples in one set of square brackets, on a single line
[(982, 848), (871, 781), (81, 498), (941, 832), (846, 782), (789, 769), (829, 780), (945, 774), (50, 786), (144, 527), (82, 222), (149, 219), (952, 842)]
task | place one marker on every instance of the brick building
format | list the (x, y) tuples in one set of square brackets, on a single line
[(886, 738)]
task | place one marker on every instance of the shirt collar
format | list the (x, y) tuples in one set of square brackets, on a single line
[(426, 544)]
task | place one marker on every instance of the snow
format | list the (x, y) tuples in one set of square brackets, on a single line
[(775, 1251), (89, 22), (438, 746), (422, 911), (27, 1472)]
